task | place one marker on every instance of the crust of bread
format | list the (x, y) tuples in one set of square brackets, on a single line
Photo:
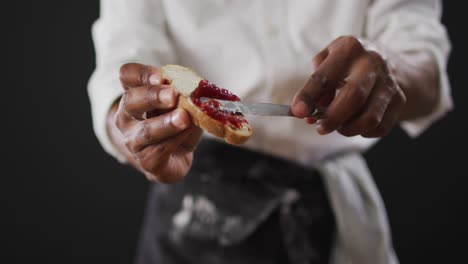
[(186, 81)]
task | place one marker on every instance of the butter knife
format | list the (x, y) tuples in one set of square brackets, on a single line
[(263, 109)]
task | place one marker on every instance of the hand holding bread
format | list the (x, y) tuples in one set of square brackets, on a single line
[(155, 136), (157, 122)]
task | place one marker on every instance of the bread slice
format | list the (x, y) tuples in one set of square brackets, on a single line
[(186, 81)]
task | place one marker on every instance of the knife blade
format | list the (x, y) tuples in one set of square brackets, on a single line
[(263, 109)]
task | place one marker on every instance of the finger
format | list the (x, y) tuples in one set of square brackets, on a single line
[(322, 103), (157, 129), (327, 77), (153, 158), (326, 99), (299, 105), (351, 98), (389, 119), (193, 137), (156, 160), (134, 75), (372, 114), (142, 99), (319, 59), (158, 112), (122, 119)]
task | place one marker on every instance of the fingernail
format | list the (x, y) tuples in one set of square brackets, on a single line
[(303, 109), (321, 130), (166, 96), (155, 79), (179, 120)]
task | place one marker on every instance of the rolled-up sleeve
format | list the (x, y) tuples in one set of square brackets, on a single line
[(414, 25), (126, 31)]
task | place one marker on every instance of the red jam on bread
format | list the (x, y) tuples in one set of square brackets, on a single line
[(212, 107)]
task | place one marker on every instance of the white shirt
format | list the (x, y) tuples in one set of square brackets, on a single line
[(261, 50)]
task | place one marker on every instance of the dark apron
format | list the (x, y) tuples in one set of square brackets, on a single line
[(238, 206)]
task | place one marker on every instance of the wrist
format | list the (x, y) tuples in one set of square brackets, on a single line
[(418, 78)]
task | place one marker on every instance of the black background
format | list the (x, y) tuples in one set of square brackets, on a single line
[(69, 202)]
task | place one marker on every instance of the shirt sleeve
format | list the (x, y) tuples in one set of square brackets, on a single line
[(414, 25), (126, 31)]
